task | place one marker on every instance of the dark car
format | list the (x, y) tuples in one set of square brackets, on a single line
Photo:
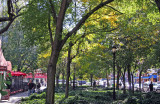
[(81, 82)]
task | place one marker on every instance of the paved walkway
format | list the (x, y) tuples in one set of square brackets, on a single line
[(15, 98)]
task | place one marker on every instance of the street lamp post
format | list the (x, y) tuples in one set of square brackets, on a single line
[(114, 56)]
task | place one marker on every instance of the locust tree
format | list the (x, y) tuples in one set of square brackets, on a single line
[(53, 15)]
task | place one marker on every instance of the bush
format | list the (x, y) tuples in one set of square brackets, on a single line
[(132, 100), (123, 96), (70, 100), (34, 99), (151, 98)]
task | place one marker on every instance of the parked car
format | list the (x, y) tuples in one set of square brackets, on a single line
[(81, 82), (88, 83), (111, 83), (127, 85), (155, 85), (158, 87), (136, 86), (146, 87), (71, 82)]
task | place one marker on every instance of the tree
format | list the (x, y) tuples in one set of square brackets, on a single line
[(59, 11)]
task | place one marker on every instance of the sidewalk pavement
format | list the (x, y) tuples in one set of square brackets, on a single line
[(15, 98)]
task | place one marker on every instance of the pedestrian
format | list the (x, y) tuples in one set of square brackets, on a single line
[(94, 85), (42, 82), (38, 85), (151, 86), (31, 87)]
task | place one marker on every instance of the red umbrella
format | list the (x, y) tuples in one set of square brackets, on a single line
[(21, 73), (13, 73)]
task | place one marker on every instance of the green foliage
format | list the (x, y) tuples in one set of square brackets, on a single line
[(132, 100), (3, 83), (34, 24), (151, 98), (100, 96), (15, 50), (34, 99), (87, 97), (40, 98)]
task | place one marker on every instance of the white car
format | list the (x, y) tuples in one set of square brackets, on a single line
[(88, 83), (155, 85)]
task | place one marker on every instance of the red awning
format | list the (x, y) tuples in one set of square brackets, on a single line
[(37, 75), (42, 76), (28, 76), (17, 73)]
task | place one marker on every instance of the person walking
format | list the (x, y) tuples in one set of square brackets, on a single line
[(38, 85), (94, 85), (151, 86), (31, 87)]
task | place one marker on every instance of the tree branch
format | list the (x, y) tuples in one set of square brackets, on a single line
[(2, 19), (50, 31), (8, 25), (114, 9), (11, 14), (77, 50), (82, 36), (53, 11), (61, 15), (158, 4), (82, 21), (102, 31)]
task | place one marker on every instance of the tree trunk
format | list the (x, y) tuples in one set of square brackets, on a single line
[(69, 59), (57, 80), (129, 76), (124, 86), (132, 83), (140, 80), (158, 4), (74, 78), (51, 76), (63, 73), (107, 79), (91, 80), (118, 75)]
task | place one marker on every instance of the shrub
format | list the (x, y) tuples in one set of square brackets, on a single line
[(70, 100), (123, 96), (132, 100)]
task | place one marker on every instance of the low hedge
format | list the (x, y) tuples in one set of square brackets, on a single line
[(96, 97)]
